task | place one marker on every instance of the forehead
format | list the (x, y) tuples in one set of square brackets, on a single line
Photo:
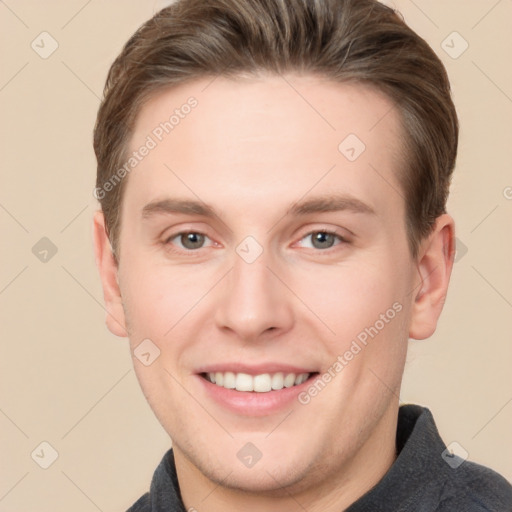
[(281, 131)]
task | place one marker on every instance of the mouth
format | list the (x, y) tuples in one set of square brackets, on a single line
[(255, 390), (261, 383)]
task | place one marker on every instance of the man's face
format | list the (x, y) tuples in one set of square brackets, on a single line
[(256, 288)]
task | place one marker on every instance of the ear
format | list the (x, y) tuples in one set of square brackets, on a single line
[(434, 267), (108, 268)]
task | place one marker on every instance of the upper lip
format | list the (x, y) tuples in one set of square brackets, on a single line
[(255, 369)]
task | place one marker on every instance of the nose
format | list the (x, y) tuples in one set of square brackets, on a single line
[(253, 302)]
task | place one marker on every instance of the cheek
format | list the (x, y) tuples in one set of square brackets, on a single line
[(159, 298), (351, 297), (365, 307)]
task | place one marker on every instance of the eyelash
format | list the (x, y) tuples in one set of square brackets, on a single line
[(342, 240)]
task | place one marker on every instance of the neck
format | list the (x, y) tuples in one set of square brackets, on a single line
[(329, 488)]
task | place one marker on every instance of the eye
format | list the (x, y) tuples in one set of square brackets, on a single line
[(188, 240), (324, 239)]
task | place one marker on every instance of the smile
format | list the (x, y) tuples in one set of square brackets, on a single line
[(262, 383)]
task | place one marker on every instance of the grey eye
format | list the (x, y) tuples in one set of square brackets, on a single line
[(323, 240)]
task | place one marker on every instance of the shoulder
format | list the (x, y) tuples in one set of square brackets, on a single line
[(475, 488), (143, 504), (436, 478)]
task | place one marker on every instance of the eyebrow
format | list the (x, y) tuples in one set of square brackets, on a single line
[(330, 203), (321, 204)]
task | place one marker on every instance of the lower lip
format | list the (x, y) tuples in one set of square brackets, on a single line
[(252, 403)]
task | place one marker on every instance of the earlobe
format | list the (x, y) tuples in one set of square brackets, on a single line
[(434, 266), (108, 269)]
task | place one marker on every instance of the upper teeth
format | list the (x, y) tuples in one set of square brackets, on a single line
[(259, 383)]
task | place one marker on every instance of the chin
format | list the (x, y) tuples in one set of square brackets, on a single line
[(269, 480), (283, 465)]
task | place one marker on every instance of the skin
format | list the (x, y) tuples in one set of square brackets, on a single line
[(251, 149)]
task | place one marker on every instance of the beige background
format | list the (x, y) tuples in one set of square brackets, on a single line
[(67, 381)]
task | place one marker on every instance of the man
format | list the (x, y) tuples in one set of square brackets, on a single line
[(273, 178)]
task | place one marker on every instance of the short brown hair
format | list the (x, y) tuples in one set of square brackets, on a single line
[(342, 40)]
